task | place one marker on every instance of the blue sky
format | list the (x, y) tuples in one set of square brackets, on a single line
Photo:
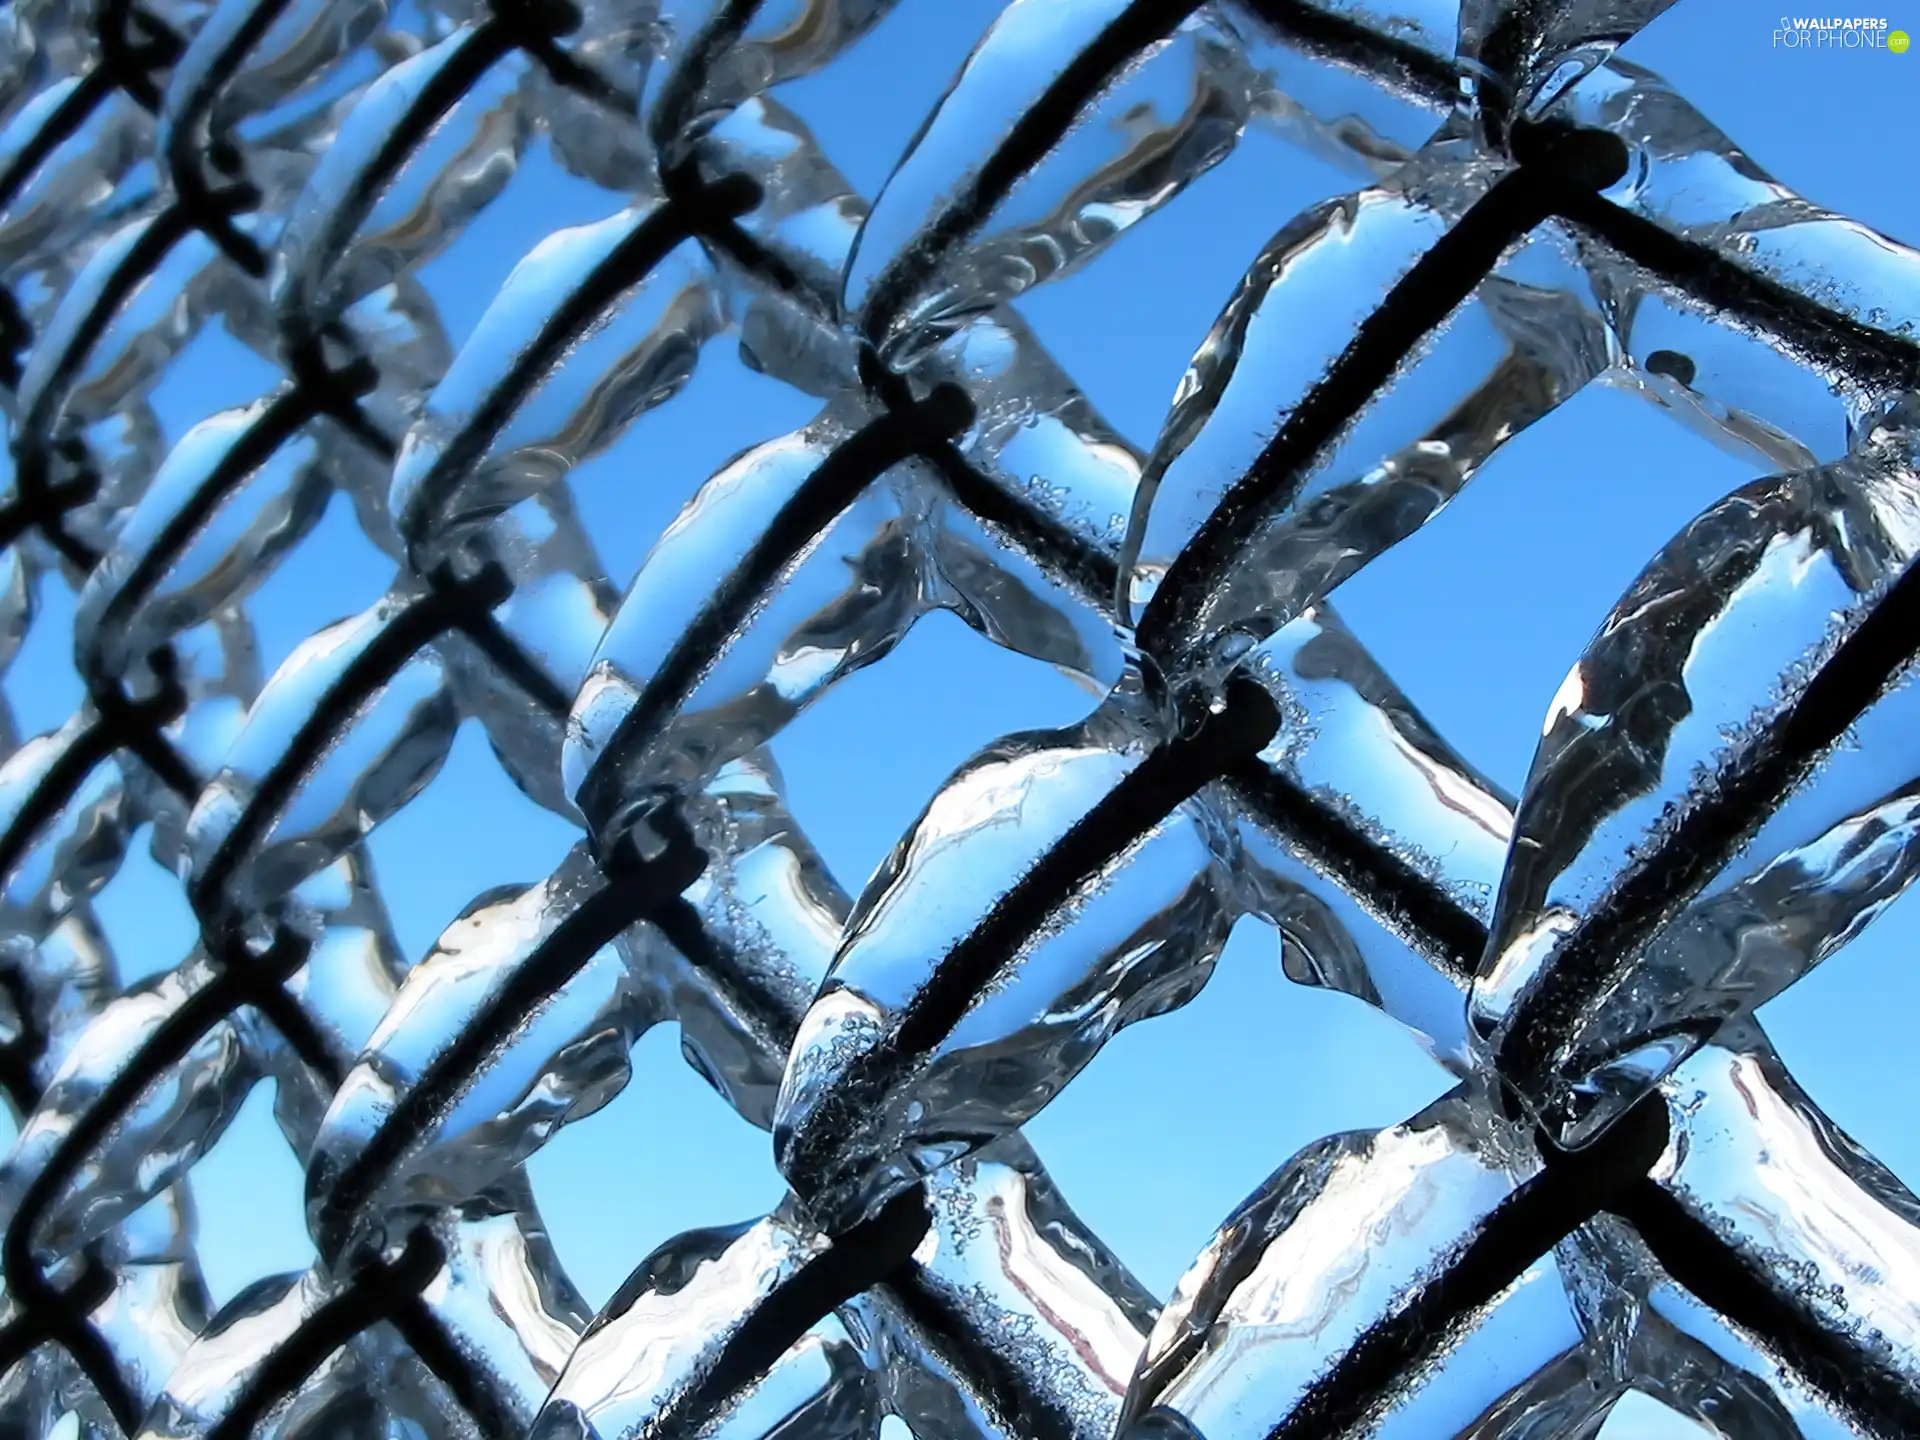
[(1478, 617)]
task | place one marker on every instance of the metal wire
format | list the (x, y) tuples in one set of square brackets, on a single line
[(1719, 802)]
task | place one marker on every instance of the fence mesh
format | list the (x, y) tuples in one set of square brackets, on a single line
[(1624, 1192)]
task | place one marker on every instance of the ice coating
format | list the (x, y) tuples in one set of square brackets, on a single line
[(287, 196), (1705, 656)]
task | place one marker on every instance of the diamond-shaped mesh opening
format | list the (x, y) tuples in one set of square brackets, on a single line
[(1571, 514), (41, 686), (412, 854), (612, 1189), (540, 196), (1855, 995), (866, 106), (630, 492), (335, 572), (1641, 1417), (143, 915), (246, 1192), (1217, 1090), (939, 698), (1169, 275)]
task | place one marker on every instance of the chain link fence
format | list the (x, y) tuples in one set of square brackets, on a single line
[(1625, 1191)]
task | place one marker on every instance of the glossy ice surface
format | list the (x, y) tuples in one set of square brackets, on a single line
[(342, 349)]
